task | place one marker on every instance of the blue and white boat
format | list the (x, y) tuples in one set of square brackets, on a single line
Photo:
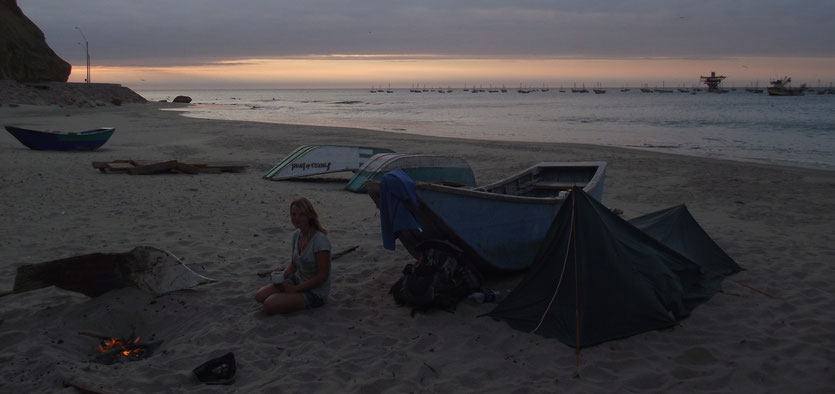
[(498, 226), (448, 170), (58, 140)]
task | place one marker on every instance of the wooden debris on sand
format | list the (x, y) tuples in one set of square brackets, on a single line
[(144, 167)]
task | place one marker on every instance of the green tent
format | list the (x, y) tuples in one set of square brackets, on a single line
[(676, 228), (596, 277)]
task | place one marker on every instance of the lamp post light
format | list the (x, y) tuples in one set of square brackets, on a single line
[(87, 51)]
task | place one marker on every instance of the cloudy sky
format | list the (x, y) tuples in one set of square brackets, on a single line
[(222, 43)]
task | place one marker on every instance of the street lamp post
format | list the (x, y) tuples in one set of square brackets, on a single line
[(87, 51)]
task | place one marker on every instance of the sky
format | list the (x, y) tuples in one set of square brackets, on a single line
[(146, 44)]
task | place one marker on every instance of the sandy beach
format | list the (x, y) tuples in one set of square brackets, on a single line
[(777, 222)]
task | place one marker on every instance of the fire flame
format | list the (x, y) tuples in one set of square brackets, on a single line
[(111, 344)]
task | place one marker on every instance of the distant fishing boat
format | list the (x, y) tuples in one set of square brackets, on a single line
[(581, 90), (57, 140), (448, 170), (498, 226), (663, 89), (782, 87), (308, 160), (754, 88)]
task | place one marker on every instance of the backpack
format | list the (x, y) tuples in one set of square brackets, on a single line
[(440, 279)]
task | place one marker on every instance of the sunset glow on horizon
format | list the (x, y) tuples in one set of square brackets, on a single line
[(362, 71)]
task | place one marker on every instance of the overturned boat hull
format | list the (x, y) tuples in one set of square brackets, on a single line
[(419, 167), (309, 160)]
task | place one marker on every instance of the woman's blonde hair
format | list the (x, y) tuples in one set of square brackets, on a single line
[(307, 210)]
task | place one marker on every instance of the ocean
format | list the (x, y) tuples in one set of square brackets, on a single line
[(738, 125)]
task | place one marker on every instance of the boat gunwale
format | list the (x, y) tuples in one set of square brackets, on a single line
[(383, 159), (99, 130), (481, 192)]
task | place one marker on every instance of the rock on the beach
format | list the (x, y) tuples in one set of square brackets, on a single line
[(24, 54), (182, 99)]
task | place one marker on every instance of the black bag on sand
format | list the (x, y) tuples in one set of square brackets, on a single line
[(220, 370), (440, 279)]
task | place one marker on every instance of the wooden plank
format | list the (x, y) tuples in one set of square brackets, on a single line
[(153, 168), (187, 168), (141, 167), (556, 185), (120, 166), (226, 164)]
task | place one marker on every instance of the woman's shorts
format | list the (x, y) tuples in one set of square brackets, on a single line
[(310, 300)]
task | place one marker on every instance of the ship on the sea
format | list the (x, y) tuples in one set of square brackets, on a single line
[(783, 87)]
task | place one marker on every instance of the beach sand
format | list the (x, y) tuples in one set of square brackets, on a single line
[(777, 222)]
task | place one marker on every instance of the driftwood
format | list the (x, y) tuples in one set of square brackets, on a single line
[(334, 257), (145, 167), (81, 389), (144, 267)]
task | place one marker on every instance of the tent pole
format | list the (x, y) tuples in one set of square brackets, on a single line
[(576, 285)]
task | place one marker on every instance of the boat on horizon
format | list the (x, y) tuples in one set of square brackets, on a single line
[(783, 87), (498, 226), (62, 141)]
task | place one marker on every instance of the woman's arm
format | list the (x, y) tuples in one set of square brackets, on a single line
[(290, 269), (322, 272)]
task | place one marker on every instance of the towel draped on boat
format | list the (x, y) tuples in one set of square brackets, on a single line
[(396, 190)]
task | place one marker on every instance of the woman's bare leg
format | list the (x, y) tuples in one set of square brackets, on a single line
[(284, 303)]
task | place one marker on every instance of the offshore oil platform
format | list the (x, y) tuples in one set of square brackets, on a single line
[(713, 82)]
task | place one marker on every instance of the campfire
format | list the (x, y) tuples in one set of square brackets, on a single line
[(119, 350)]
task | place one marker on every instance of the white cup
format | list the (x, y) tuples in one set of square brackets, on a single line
[(277, 277)]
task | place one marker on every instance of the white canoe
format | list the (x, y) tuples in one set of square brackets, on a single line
[(309, 160)]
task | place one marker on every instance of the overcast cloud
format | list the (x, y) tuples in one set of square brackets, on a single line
[(144, 32)]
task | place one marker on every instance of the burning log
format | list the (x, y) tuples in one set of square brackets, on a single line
[(112, 350), (144, 267)]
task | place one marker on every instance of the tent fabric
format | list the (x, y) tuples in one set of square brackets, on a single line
[(676, 228), (396, 190), (597, 272)]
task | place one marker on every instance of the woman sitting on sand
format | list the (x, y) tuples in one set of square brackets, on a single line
[(305, 283)]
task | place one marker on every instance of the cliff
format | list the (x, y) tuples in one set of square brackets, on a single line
[(24, 54)]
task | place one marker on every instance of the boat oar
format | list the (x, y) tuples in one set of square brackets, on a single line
[(334, 257)]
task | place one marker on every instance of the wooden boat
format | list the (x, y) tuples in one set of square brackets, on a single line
[(308, 160), (420, 167), (498, 226), (57, 140), (782, 87), (147, 268)]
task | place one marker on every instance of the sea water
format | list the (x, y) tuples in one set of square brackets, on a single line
[(738, 125)]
